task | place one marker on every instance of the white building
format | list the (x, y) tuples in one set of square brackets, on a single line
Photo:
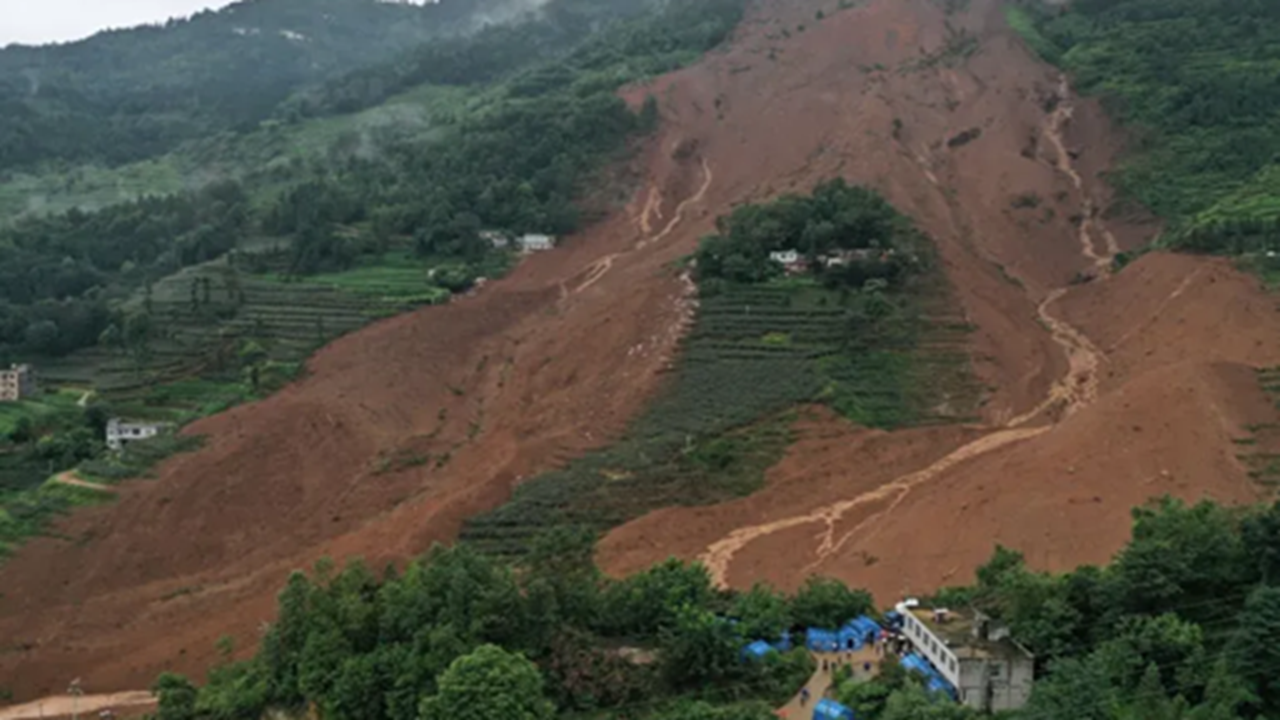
[(17, 383), (989, 670), (534, 242), (496, 238), (120, 433), (785, 257)]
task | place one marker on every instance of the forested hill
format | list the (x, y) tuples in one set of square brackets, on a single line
[(1195, 83), (127, 94)]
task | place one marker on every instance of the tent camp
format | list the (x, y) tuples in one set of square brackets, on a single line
[(757, 649), (820, 640), (933, 679), (828, 709)]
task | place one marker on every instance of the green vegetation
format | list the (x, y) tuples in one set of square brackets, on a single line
[(130, 94), (458, 636), (875, 339), (1194, 81), (1184, 624)]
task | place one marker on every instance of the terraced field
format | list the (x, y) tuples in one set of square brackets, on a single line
[(754, 354), (201, 315)]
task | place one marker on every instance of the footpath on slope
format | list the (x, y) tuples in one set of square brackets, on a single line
[(1077, 389)]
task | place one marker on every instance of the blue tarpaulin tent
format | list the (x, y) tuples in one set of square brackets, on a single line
[(784, 641), (821, 640), (828, 709), (850, 638), (757, 649), (857, 632), (912, 661), (938, 684)]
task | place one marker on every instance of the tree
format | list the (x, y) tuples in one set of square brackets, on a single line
[(486, 684), (762, 613), (1257, 647), (824, 602), (706, 711), (176, 697), (700, 649)]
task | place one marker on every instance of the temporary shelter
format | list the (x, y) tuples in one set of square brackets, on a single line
[(828, 709), (820, 640), (757, 649), (783, 642)]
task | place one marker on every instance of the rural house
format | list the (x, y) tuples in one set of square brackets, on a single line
[(535, 242), (17, 383), (120, 433), (988, 669)]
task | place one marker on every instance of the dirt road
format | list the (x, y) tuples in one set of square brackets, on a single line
[(85, 705)]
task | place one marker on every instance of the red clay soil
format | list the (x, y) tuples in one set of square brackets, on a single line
[(555, 359), (398, 434), (1158, 377)]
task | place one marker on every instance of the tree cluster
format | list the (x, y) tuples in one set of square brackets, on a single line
[(458, 635), (835, 218)]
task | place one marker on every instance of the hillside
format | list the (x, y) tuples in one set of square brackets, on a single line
[(1037, 389), (129, 94)]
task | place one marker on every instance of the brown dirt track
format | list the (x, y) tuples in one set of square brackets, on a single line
[(556, 358)]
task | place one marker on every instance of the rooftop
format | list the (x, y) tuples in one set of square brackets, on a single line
[(957, 630)]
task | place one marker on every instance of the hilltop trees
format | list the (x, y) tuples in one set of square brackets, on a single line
[(836, 218), (488, 683)]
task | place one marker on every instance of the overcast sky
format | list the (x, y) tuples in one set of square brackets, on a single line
[(42, 21)]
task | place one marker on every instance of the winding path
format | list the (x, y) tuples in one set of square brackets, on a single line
[(1076, 389)]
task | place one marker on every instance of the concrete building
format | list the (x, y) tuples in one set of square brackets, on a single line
[(17, 383), (496, 238), (989, 670), (534, 242), (785, 257), (120, 433)]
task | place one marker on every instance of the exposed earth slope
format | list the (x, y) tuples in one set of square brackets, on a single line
[(1101, 394), (1151, 386)]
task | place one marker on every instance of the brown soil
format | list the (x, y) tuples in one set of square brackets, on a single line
[(1151, 378), (1101, 395)]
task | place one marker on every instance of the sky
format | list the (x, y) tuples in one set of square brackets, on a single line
[(41, 21)]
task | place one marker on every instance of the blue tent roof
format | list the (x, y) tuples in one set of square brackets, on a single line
[(938, 684), (912, 661), (865, 624), (758, 649), (828, 709), (821, 640)]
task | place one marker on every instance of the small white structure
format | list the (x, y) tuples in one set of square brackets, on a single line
[(534, 242), (17, 383), (120, 433), (496, 238), (989, 670), (785, 257)]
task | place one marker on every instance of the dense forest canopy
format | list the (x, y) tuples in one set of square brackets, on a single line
[(127, 94), (1197, 83), (518, 165), (1184, 624)]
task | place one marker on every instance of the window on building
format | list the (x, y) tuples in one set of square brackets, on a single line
[(994, 670)]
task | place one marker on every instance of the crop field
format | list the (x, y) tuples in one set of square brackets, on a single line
[(201, 315), (44, 408), (755, 353)]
